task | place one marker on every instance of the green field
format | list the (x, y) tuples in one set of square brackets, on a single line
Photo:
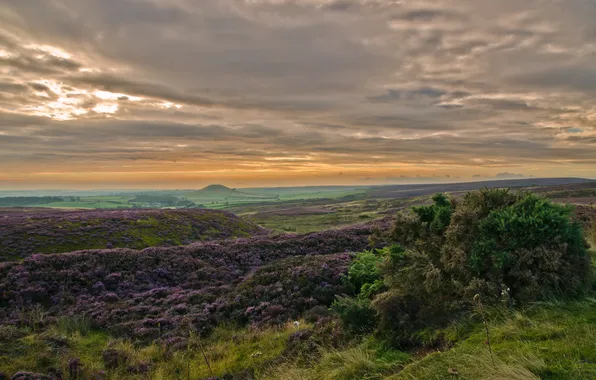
[(213, 196)]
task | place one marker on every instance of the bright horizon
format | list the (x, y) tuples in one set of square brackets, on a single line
[(405, 182), (180, 94)]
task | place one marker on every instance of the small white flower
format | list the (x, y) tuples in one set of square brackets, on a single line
[(297, 324)]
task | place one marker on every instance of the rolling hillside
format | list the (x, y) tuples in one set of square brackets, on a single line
[(54, 231)]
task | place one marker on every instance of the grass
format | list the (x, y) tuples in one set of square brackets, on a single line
[(228, 350), (72, 325), (369, 360), (309, 223), (591, 234), (22, 349), (52, 236), (547, 341)]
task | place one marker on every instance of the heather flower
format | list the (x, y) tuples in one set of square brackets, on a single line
[(205, 282)]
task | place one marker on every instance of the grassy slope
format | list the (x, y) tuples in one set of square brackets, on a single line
[(548, 341), (52, 233), (227, 351), (341, 213), (551, 340)]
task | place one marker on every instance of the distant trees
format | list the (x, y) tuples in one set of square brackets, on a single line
[(27, 201)]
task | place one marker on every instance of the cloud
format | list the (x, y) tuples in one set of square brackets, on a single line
[(396, 95), (316, 86)]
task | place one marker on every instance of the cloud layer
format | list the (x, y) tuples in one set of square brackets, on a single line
[(180, 93)]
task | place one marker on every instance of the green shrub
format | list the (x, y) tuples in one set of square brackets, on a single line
[(533, 249), (591, 233), (508, 247), (356, 314), (364, 269)]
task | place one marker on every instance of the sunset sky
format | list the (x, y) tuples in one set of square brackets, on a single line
[(184, 93)]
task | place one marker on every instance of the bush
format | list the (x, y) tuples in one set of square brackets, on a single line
[(591, 233), (533, 249), (364, 270), (514, 247), (356, 314)]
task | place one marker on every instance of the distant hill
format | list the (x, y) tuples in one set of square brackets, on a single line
[(222, 193), (216, 188), (408, 191)]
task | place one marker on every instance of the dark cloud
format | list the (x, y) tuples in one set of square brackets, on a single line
[(13, 88), (29, 62), (577, 77), (396, 95), (503, 104), (428, 15), (339, 5), (450, 106)]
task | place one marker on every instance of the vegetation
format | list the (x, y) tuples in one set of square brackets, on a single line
[(493, 244), (96, 354), (27, 201), (159, 200), (149, 294), (27, 233), (491, 285)]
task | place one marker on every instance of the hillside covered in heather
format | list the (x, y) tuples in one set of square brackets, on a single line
[(490, 285), (146, 294), (55, 231)]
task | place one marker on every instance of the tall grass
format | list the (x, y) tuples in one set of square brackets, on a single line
[(477, 364), (78, 324), (591, 233), (360, 362)]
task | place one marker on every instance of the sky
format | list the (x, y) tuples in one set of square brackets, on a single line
[(184, 93)]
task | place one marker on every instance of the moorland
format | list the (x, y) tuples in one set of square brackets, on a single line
[(485, 280)]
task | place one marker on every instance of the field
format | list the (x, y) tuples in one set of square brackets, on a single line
[(222, 197), (249, 293), (213, 197)]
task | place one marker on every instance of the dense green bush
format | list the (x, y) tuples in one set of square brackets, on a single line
[(356, 313), (364, 270), (365, 278), (508, 247)]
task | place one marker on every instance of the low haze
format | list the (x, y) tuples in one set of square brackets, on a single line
[(182, 93)]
